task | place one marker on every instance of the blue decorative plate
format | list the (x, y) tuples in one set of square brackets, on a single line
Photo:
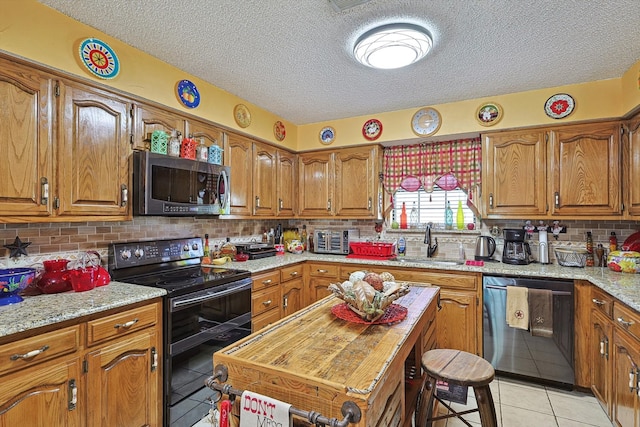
[(188, 93), (327, 135), (99, 58)]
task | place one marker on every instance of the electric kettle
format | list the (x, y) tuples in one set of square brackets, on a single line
[(485, 247)]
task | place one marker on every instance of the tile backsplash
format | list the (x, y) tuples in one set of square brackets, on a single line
[(51, 240)]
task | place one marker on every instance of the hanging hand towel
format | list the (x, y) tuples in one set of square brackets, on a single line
[(517, 307), (258, 410), (541, 312)]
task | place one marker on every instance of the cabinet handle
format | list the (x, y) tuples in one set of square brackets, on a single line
[(329, 204), (266, 282), (266, 303), (44, 199), (604, 348), (556, 198), (154, 359), (322, 271), (285, 302), (126, 325), (598, 302), (280, 204), (124, 194), (625, 323), (632, 380), (370, 204), (257, 201), (73, 395), (601, 348), (29, 355), (491, 200), (293, 273)]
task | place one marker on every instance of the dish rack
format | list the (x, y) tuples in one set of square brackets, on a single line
[(372, 250), (568, 257)]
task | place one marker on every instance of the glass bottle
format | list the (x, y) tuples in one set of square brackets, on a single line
[(448, 217), (590, 261), (613, 242), (460, 216), (202, 152), (206, 259), (303, 238), (174, 144), (414, 217), (403, 216)]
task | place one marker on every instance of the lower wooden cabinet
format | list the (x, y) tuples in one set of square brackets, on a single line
[(626, 380), (57, 378), (265, 299), (320, 276), (293, 295), (601, 358)]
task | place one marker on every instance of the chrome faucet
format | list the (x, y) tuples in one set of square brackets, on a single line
[(431, 250)]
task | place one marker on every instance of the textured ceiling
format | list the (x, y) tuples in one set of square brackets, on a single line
[(293, 57)]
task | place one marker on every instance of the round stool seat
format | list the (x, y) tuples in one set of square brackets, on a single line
[(458, 367)]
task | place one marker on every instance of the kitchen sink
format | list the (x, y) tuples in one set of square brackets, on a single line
[(429, 261)]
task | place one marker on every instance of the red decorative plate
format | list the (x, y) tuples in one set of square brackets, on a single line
[(559, 106), (393, 314), (372, 129)]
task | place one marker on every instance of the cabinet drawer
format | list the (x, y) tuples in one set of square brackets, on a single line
[(121, 323), (627, 319), (290, 273), (265, 300), (263, 280), (441, 278), (265, 319), (323, 270), (31, 351), (601, 301)]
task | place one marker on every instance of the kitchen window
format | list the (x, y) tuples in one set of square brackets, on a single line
[(429, 207)]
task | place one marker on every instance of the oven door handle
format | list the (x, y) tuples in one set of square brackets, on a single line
[(209, 296)]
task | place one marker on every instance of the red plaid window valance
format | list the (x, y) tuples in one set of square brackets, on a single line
[(421, 165)]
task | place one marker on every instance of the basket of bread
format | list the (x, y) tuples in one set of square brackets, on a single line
[(369, 294)]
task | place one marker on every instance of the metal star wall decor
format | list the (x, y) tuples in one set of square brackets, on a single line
[(17, 248)]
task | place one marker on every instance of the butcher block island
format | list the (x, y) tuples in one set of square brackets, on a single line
[(316, 361)]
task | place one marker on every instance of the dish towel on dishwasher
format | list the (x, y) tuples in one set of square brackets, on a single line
[(517, 307), (259, 410), (541, 312)]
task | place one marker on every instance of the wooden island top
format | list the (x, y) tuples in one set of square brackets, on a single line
[(316, 361)]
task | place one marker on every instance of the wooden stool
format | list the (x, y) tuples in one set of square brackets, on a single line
[(460, 368)]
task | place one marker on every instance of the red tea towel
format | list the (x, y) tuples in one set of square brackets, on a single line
[(517, 307), (541, 312)]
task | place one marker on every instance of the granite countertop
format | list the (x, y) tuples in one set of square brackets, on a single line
[(43, 310), (623, 286)]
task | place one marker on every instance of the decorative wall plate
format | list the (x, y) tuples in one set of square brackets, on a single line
[(426, 121), (99, 58), (188, 94), (559, 106), (489, 114), (242, 115), (372, 129), (279, 130), (327, 135)]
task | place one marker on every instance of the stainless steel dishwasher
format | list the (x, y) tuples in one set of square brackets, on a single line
[(516, 352)]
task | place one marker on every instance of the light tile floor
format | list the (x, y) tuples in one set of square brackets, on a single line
[(520, 404)]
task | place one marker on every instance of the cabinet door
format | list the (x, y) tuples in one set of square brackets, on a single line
[(515, 174), (124, 383), (46, 395), (26, 132), (210, 134), (586, 170), (292, 296), (456, 321), (600, 353), (632, 166), (148, 119), (238, 155), (286, 184), (356, 182), (626, 378), (264, 180), (93, 159), (315, 174)]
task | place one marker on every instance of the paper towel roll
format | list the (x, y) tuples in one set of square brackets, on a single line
[(544, 247)]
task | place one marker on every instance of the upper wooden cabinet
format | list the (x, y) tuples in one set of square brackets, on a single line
[(565, 171), (26, 135), (341, 183), (264, 180), (286, 183), (204, 132), (238, 155), (147, 119), (93, 156), (631, 167), (515, 174)]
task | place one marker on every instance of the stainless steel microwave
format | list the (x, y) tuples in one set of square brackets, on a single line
[(172, 186), (334, 241)]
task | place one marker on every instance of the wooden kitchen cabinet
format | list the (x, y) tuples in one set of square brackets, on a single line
[(205, 132), (265, 299), (286, 184), (626, 380), (147, 119), (631, 167), (319, 277), (93, 153), (238, 154), (315, 184), (514, 173), (264, 180), (601, 358), (102, 371), (293, 291)]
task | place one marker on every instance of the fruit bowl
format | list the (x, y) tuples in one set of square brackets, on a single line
[(12, 281), (624, 261)]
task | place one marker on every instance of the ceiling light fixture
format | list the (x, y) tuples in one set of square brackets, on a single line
[(392, 46)]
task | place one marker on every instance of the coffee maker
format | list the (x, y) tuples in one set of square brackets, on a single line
[(516, 250)]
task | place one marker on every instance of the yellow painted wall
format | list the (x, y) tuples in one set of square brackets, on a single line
[(36, 32)]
